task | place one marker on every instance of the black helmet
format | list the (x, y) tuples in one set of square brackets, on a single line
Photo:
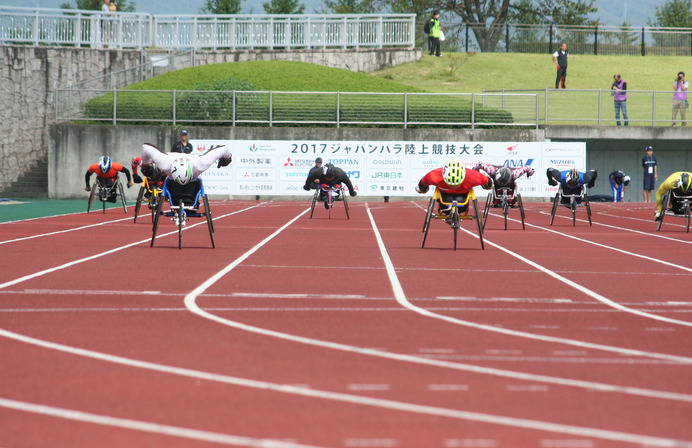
[(329, 171), (503, 176)]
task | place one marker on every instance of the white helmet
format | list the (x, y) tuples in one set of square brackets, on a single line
[(105, 164), (181, 171)]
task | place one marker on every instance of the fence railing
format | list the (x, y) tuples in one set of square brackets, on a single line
[(268, 108), (43, 26), (596, 107)]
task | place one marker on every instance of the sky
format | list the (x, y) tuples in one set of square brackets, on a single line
[(610, 12)]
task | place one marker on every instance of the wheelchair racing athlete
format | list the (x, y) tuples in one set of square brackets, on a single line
[(572, 181), (184, 168), (504, 177), (150, 171), (454, 182), (328, 176), (107, 171), (681, 184)]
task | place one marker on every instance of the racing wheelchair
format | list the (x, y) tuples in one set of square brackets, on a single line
[(329, 194), (184, 203), (572, 201), (452, 212), (149, 193), (107, 189), (504, 198), (678, 205)]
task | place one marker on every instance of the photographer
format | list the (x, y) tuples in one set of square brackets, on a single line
[(680, 98), (619, 92)]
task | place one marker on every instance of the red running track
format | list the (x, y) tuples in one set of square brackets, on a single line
[(344, 333)]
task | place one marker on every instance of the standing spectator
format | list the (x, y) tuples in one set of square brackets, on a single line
[(650, 173), (105, 26), (619, 93), (112, 7), (434, 34), (680, 98), (183, 145), (560, 58), (618, 184), (318, 165)]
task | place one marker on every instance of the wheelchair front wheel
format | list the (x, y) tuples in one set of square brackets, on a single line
[(556, 201), (138, 204), (454, 221), (486, 209), (426, 224), (478, 222), (91, 196), (573, 207), (521, 211), (687, 215), (588, 209)]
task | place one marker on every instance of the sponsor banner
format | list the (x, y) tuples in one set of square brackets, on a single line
[(378, 168)]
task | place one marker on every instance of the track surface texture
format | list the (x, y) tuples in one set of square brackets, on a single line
[(335, 332)]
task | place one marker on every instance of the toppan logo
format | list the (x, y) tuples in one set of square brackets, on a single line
[(338, 162)]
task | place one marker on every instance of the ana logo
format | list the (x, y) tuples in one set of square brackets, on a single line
[(253, 148), (513, 147), (289, 162), (201, 147), (514, 163)]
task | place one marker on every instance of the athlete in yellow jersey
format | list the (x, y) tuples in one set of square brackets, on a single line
[(680, 183)]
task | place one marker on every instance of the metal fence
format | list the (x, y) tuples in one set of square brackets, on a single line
[(597, 107), (267, 108), (607, 40), (43, 26)]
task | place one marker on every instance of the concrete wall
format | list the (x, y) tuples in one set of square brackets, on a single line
[(30, 75)]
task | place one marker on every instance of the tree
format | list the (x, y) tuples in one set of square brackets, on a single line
[(348, 7), (284, 7), (673, 14), (488, 17), (221, 7), (123, 5)]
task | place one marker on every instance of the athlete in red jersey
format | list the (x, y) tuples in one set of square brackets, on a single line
[(453, 181), (106, 170)]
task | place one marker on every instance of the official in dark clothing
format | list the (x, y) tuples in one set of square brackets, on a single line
[(183, 145), (560, 58)]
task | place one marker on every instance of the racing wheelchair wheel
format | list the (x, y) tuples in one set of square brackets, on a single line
[(686, 210), (91, 196), (521, 211), (477, 218), (181, 217), (505, 209), (121, 190), (138, 204), (556, 201), (588, 208), (486, 209), (210, 223), (157, 212), (573, 207), (314, 200), (666, 198), (426, 224), (454, 222)]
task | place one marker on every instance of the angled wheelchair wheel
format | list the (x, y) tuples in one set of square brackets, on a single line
[(505, 210), (426, 224), (666, 197), (521, 211), (573, 207), (91, 196), (180, 213), (122, 196), (486, 209), (154, 202), (346, 207), (687, 215), (556, 201), (157, 212), (588, 209), (210, 224), (138, 204), (478, 221), (314, 200), (330, 202)]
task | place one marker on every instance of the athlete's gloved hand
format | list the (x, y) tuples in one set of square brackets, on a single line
[(138, 179), (353, 193), (422, 189), (552, 182)]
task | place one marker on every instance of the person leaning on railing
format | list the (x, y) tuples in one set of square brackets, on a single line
[(619, 93)]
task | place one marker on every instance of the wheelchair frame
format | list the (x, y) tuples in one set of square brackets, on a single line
[(97, 189), (180, 212), (329, 191), (669, 211), (573, 205), (154, 196), (504, 198), (454, 218)]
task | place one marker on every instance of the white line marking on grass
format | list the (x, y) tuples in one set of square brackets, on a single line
[(138, 425), (108, 252), (618, 436)]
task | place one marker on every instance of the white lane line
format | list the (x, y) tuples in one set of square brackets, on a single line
[(148, 427), (363, 400), (63, 231), (108, 252), (191, 304), (583, 289), (401, 299)]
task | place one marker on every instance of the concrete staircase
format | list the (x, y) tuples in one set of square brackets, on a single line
[(32, 184)]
